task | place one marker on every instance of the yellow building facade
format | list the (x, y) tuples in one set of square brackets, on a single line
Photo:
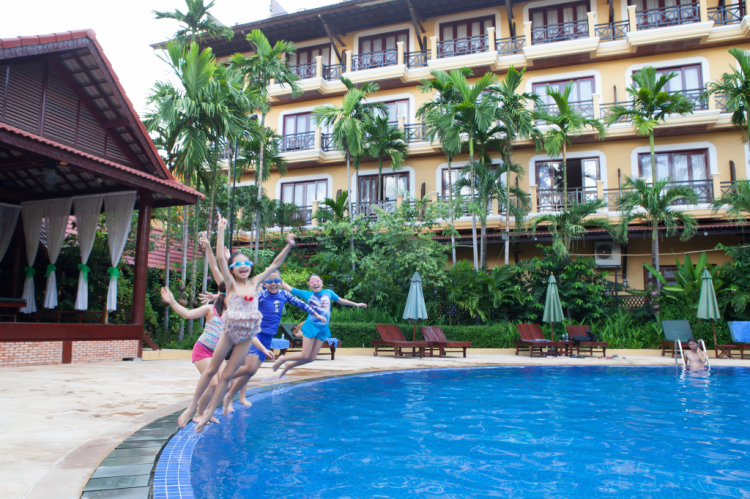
[(596, 44)]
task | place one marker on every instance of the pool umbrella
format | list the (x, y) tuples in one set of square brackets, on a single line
[(708, 308), (415, 310), (552, 309)]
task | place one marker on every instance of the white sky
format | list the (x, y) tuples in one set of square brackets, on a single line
[(126, 28)]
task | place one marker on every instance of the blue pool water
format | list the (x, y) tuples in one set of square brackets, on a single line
[(488, 432)]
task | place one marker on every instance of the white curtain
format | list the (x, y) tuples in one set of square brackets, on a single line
[(87, 218), (33, 213), (56, 224), (119, 209), (692, 79), (8, 220)]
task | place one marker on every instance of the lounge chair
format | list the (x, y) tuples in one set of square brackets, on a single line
[(740, 331), (533, 341), (673, 331), (437, 338), (391, 336), (295, 344), (600, 346)]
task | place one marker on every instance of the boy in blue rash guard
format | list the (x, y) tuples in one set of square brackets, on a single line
[(271, 302), (315, 331)]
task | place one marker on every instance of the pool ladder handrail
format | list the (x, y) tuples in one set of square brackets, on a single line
[(678, 345)]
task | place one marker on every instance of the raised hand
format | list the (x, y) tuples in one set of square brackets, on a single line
[(222, 222), (290, 239), (362, 305), (204, 240), (167, 296), (207, 297)]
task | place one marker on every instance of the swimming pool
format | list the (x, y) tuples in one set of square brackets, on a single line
[(481, 432)]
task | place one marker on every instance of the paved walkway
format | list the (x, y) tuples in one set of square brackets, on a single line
[(60, 422)]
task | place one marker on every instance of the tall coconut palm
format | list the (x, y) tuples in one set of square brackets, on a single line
[(429, 113), (566, 123), (266, 64), (654, 202), (197, 22), (474, 111), (570, 225), (735, 87), (517, 120), (385, 141), (650, 104), (287, 215)]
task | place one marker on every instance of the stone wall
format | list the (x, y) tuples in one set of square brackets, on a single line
[(31, 353)]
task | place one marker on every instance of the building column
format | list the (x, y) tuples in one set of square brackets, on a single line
[(495, 206), (703, 10), (433, 47), (399, 200), (532, 194), (318, 139), (527, 32), (141, 257), (597, 106), (632, 19), (319, 66), (592, 24), (401, 123), (315, 208), (491, 39), (400, 53), (348, 55), (600, 190), (716, 178)]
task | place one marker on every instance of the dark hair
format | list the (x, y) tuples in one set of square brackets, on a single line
[(234, 256), (313, 275), (693, 340), (219, 303)]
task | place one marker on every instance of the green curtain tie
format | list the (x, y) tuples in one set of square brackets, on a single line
[(29, 271), (50, 268), (85, 271), (114, 273)]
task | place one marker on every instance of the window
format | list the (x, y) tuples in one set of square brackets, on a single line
[(681, 166), (395, 109), (668, 271), (688, 81), (384, 41), (581, 95), (307, 55), (455, 174), (368, 186), (304, 193), (466, 28), (297, 123), (582, 174), (655, 13), (557, 14)]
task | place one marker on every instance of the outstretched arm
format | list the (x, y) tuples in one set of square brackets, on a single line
[(286, 287), (257, 344), (276, 261), (206, 311), (212, 264), (223, 265), (348, 303), (304, 306)]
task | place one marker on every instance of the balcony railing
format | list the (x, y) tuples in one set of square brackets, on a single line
[(695, 97), (367, 208), (305, 213), (668, 16), (509, 46), (326, 142), (415, 132), (559, 32), (462, 46), (584, 107), (613, 31), (372, 60), (466, 200), (554, 200), (606, 109), (721, 103), (416, 59), (703, 188), (726, 14), (304, 71), (334, 71), (731, 187), (298, 142)]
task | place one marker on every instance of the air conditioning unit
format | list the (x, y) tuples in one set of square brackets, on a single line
[(608, 255)]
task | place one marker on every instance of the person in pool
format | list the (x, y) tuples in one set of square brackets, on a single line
[(695, 357), (315, 332)]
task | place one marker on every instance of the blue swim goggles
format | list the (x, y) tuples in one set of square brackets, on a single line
[(273, 281), (246, 263)]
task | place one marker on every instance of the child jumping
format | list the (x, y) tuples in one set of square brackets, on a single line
[(241, 323), (315, 332)]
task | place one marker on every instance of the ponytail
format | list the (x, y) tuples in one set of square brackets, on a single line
[(219, 303)]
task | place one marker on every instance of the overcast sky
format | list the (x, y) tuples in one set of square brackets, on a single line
[(126, 28)]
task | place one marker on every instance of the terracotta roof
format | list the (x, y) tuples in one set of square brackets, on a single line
[(158, 256)]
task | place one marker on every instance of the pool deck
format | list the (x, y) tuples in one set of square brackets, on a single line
[(59, 422)]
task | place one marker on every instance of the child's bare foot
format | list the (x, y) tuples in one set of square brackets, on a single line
[(184, 419), (227, 409), (198, 418), (200, 425), (245, 402), (277, 364)]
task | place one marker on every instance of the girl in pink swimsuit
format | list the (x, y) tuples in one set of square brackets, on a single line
[(241, 323)]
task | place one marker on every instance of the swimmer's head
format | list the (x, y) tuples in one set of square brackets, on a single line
[(240, 266), (273, 282), (315, 282)]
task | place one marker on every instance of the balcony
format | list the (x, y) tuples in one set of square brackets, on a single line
[(613, 31), (416, 59), (297, 142), (584, 108), (305, 214), (334, 71), (703, 188), (462, 46), (466, 198), (552, 200), (367, 208), (559, 32), (510, 46), (730, 187), (414, 132), (304, 71), (668, 16), (727, 14), (373, 60)]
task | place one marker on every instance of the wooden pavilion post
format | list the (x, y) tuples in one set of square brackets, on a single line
[(141, 261)]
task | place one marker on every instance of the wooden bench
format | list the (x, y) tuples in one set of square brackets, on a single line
[(14, 303)]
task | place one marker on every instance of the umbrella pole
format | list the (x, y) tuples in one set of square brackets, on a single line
[(716, 344), (414, 334), (553, 331)]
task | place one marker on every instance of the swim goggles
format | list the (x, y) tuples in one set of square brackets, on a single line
[(246, 263), (273, 281)]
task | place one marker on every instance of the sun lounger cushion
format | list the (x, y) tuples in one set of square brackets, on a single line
[(677, 330), (279, 344), (542, 341), (740, 331)]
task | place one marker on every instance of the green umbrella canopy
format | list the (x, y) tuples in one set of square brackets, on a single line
[(415, 310), (552, 309), (708, 308)]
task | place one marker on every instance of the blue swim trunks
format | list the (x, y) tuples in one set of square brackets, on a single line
[(316, 334), (265, 340)]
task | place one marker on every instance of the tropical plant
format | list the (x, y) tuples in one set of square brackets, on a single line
[(655, 203), (430, 112), (266, 64), (333, 209), (736, 275), (517, 121), (385, 141), (735, 88), (472, 112), (255, 214), (288, 215), (569, 225), (650, 104), (197, 22), (687, 289), (737, 201), (566, 123)]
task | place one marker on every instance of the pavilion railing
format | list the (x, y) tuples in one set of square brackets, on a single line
[(372, 60), (727, 14), (559, 32), (416, 59), (462, 46), (613, 31), (509, 46), (552, 200), (668, 16), (298, 142), (333, 71), (304, 71)]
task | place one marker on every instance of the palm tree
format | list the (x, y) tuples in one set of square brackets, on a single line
[(197, 22), (738, 202), (569, 225), (654, 203), (332, 209), (385, 141), (649, 105), (735, 86), (268, 63), (429, 113), (287, 215), (472, 112), (517, 120), (565, 123)]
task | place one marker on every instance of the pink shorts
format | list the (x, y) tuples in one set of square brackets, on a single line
[(201, 351)]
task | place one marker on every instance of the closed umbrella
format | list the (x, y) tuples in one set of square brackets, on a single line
[(708, 307), (415, 310), (552, 309)]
